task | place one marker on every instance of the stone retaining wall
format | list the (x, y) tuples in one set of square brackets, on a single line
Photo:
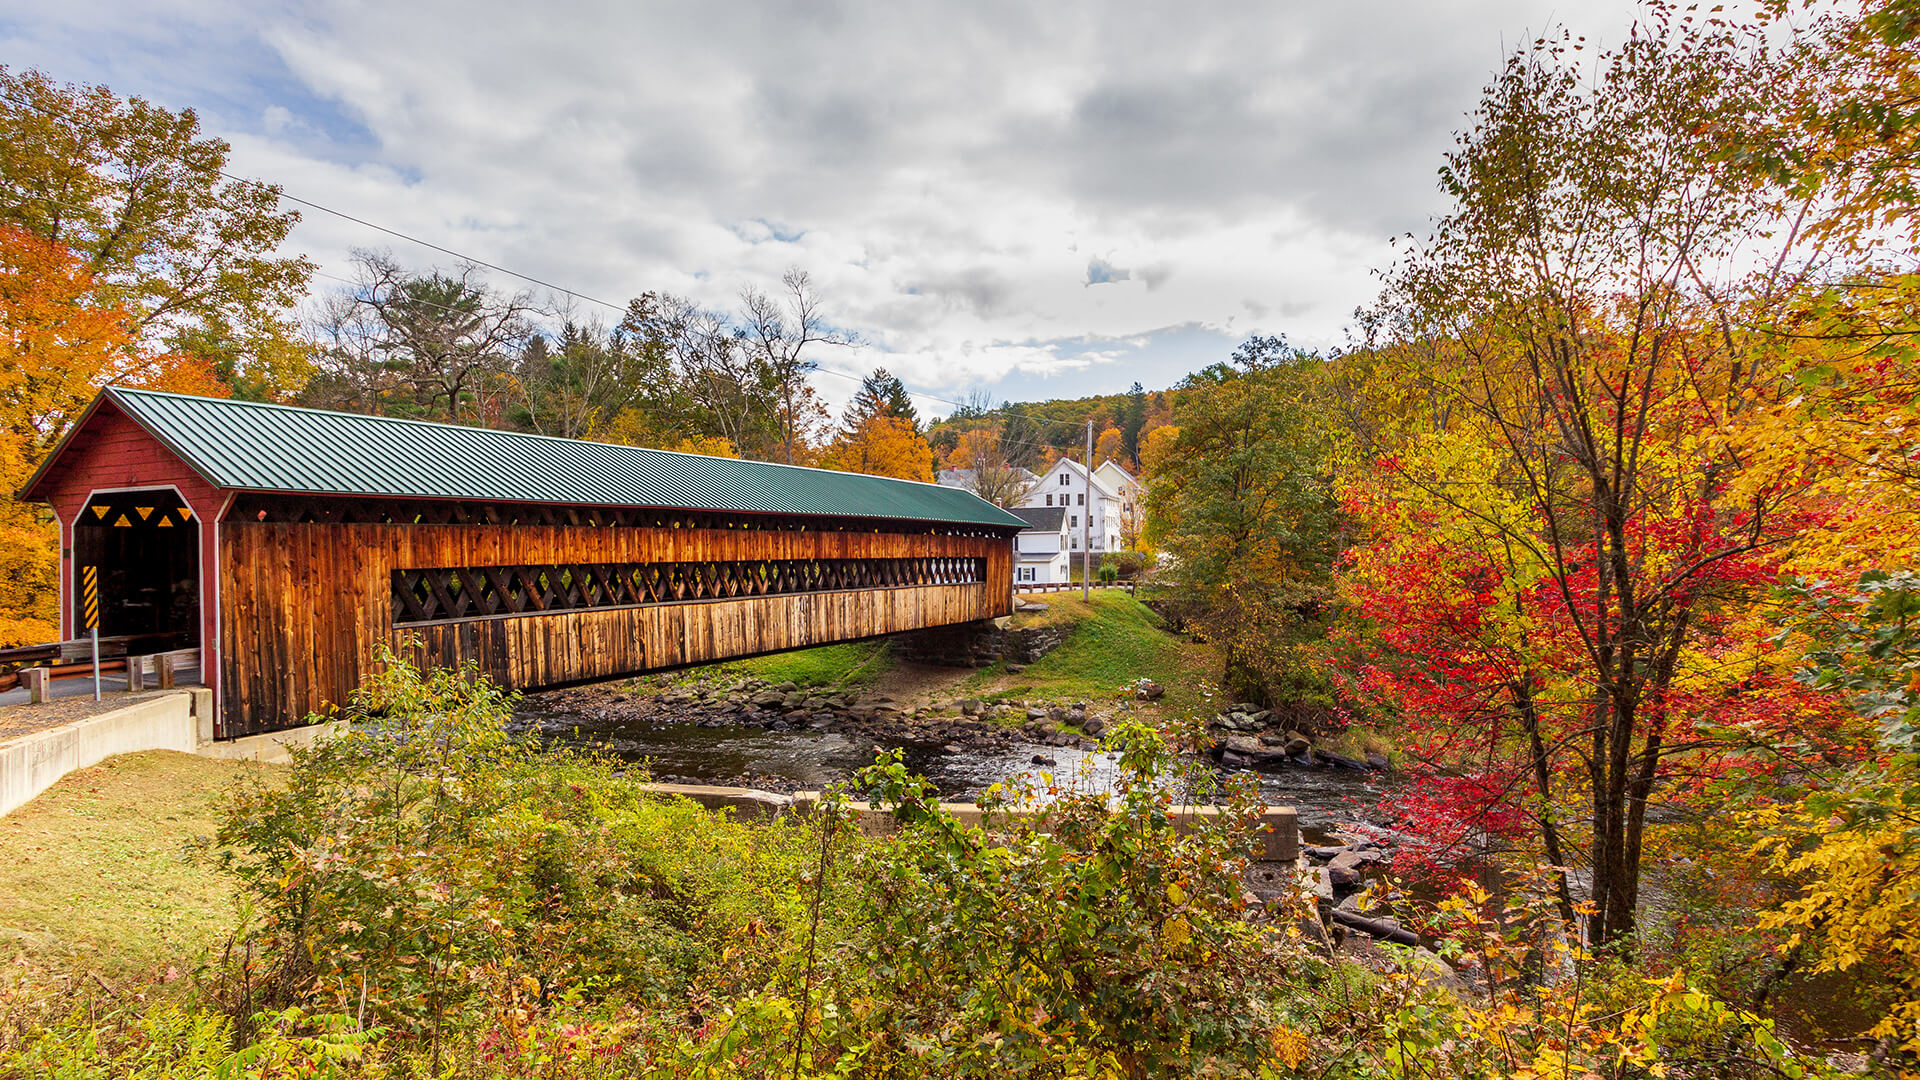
[(979, 644)]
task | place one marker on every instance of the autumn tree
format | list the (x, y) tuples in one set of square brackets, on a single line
[(591, 382), (1837, 409), (1561, 363), (145, 203), (1156, 448), (989, 475), (883, 445), (1837, 420), (58, 347), (711, 386), (433, 346), (1111, 445), (1133, 423), (781, 335), (1241, 498)]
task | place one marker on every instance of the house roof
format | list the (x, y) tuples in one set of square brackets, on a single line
[(1117, 467), (1040, 518), (1080, 470), (965, 477), (250, 446)]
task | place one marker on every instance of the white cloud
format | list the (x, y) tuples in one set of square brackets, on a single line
[(954, 176)]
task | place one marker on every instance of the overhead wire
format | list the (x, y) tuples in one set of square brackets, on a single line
[(281, 193)]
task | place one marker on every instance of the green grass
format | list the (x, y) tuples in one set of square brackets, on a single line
[(853, 664), (96, 873), (1116, 640)]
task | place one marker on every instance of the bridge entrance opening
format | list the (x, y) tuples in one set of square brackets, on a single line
[(143, 548)]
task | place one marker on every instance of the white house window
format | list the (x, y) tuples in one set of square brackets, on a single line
[(1075, 523), (1063, 480), (1076, 543), (1049, 500), (1082, 497)]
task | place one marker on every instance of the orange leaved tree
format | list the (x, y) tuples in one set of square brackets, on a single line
[(882, 445), (57, 348)]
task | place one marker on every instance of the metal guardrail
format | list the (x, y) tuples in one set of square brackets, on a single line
[(40, 665), (1068, 586)]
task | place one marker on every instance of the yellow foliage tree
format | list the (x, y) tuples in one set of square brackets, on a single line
[(709, 445), (1111, 445), (1155, 447), (882, 445), (57, 348)]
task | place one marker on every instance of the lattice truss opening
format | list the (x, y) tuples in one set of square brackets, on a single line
[(450, 593)]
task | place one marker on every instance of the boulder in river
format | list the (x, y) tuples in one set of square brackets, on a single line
[(1246, 747)]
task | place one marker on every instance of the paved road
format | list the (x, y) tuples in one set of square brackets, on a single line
[(110, 681)]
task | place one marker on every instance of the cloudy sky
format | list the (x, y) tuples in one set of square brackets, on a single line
[(1037, 199)]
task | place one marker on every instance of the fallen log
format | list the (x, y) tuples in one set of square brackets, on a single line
[(1379, 928)]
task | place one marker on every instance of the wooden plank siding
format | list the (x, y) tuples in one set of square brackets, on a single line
[(304, 605)]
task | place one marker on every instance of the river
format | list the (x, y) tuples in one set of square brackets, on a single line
[(683, 750)]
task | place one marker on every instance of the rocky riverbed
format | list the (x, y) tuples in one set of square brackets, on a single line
[(783, 737)]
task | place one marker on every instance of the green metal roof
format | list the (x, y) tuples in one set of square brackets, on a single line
[(257, 447)]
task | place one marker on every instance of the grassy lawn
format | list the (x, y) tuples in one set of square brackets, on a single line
[(854, 664), (96, 873), (1117, 639)]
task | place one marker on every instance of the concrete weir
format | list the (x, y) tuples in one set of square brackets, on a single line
[(1279, 839)]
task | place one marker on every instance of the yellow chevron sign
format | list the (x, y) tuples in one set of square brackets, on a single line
[(89, 597)]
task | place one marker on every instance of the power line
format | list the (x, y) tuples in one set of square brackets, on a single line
[(428, 244), (281, 193)]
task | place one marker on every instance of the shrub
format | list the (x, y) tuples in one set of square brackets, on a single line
[(428, 866)]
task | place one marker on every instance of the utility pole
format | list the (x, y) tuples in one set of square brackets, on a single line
[(1086, 525)]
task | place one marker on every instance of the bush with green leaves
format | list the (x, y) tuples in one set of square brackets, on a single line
[(428, 865)]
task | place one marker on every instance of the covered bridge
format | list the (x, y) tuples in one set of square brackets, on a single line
[(287, 544)]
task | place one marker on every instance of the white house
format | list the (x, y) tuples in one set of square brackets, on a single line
[(1132, 509), (1040, 549), (1094, 510)]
